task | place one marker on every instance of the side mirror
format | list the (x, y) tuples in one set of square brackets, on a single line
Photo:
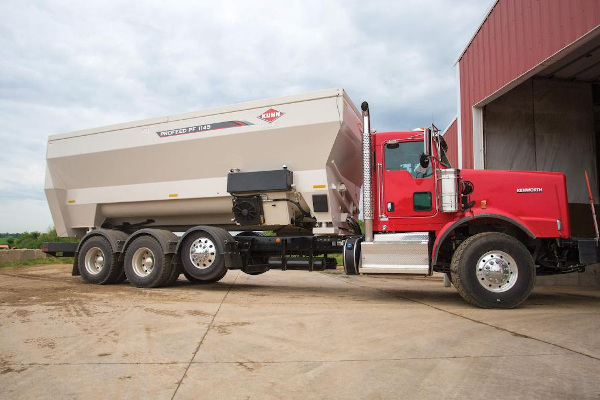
[(424, 161), (466, 188), (427, 142)]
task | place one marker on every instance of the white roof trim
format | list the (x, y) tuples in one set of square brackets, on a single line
[(487, 14)]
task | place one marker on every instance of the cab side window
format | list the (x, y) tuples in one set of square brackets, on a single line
[(405, 157)]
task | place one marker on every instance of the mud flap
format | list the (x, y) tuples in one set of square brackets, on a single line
[(589, 251), (75, 271)]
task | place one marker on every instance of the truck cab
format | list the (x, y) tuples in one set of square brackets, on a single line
[(413, 196), (406, 191), (489, 231)]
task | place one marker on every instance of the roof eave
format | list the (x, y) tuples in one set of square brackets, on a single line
[(487, 14)]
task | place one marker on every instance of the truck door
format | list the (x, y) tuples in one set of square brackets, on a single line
[(407, 189)]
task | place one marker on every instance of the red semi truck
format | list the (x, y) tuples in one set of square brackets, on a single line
[(491, 232)]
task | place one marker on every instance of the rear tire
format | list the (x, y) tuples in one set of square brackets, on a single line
[(97, 262), (493, 270), (145, 263), (122, 277), (176, 270), (201, 281), (202, 257)]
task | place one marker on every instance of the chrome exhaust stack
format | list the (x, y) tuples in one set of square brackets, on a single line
[(367, 189)]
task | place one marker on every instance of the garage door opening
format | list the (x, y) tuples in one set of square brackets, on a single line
[(551, 122), (549, 125)]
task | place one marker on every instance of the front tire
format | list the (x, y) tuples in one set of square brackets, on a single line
[(97, 262), (493, 270)]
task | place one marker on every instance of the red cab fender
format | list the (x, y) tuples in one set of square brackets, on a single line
[(451, 226)]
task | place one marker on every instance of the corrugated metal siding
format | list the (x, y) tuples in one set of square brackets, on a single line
[(451, 137), (516, 37)]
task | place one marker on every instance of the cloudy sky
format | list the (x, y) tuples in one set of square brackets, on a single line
[(70, 65)]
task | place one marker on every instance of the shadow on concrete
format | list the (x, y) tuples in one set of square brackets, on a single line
[(556, 297), (350, 292), (413, 290)]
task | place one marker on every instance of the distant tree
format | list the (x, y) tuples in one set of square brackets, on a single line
[(8, 234), (28, 240), (34, 240)]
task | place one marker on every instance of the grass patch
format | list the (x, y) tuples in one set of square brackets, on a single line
[(39, 261)]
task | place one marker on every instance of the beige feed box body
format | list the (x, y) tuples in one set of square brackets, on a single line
[(291, 164)]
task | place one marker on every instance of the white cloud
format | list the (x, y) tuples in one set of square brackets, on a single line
[(66, 66), (20, 215)]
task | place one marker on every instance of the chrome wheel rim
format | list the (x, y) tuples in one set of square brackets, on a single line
[(202, 253), (143, 262), (94, 260), (497, 271)]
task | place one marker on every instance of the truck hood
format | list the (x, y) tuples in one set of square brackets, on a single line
[(536, 200)]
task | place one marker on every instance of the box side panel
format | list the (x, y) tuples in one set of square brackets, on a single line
[(175, 171)]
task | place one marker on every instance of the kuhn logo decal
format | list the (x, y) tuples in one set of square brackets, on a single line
[(529, 190), (270, 115)]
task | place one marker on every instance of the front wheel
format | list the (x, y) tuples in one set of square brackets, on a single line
[(493, 270)]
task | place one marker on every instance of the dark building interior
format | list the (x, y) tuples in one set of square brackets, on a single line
[(551, 122)]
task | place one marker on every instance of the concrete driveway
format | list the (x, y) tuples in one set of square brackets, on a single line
[(290, 335)]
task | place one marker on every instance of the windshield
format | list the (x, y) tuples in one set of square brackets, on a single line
[(405, 157)]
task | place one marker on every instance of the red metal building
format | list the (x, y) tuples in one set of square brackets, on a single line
[(529, 92), (451, 136)]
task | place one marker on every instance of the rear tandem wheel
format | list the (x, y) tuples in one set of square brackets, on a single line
[(97, 262), (146, 265), (202, 258)]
